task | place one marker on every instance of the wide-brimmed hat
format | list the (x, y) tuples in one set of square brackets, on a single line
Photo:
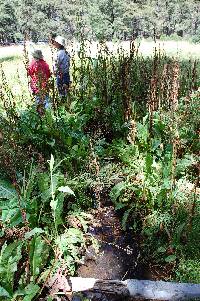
[(60, 40), (37, 54)]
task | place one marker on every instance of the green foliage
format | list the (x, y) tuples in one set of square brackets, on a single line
[(106, 143), (70, 244), (151, 202), (188, 271), (103, 19), (7, 191), (56, 203), (39, 252), (30, 291), (8, 21), (11, 214), (9, 258)]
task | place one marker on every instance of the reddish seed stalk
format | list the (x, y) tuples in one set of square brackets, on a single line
[(175, 86)]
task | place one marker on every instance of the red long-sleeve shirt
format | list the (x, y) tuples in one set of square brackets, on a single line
[(40, 73)]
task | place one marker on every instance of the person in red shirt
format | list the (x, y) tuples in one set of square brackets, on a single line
[(39, 73)]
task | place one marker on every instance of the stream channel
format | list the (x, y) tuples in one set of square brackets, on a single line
[(118, 254)]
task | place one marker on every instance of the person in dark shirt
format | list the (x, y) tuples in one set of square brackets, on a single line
[(61, 66)]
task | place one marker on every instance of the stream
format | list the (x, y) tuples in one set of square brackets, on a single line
[(118, 254)]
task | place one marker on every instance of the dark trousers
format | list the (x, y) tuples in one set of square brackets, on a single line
[(62, 82)]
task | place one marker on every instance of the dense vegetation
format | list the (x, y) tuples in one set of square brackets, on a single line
[(128, 132), (99, 19)]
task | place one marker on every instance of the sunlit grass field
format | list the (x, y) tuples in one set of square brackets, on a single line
[(11, 57)]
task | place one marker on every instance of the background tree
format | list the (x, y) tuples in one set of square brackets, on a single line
[(99, 19), (8, 21)]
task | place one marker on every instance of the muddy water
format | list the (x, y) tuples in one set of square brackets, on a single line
[(118, 254)]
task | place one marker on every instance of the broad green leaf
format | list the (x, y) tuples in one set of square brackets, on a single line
[(9, 258), (120, 205), (33, 232), (3, 292), (31, 291), (166, 183), (39, 252), (142, 132), (7, 191), (149, 162), (74, 236), (11, 214), (43, 182), (125, 218), (180, 229), (161, 250), (66, 189), (170, 258), (155, 144), (117, 190)]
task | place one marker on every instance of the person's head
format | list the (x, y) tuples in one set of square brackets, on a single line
[(37, 54), (59, 42)]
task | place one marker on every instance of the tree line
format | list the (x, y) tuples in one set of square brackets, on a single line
[(99, 19)]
